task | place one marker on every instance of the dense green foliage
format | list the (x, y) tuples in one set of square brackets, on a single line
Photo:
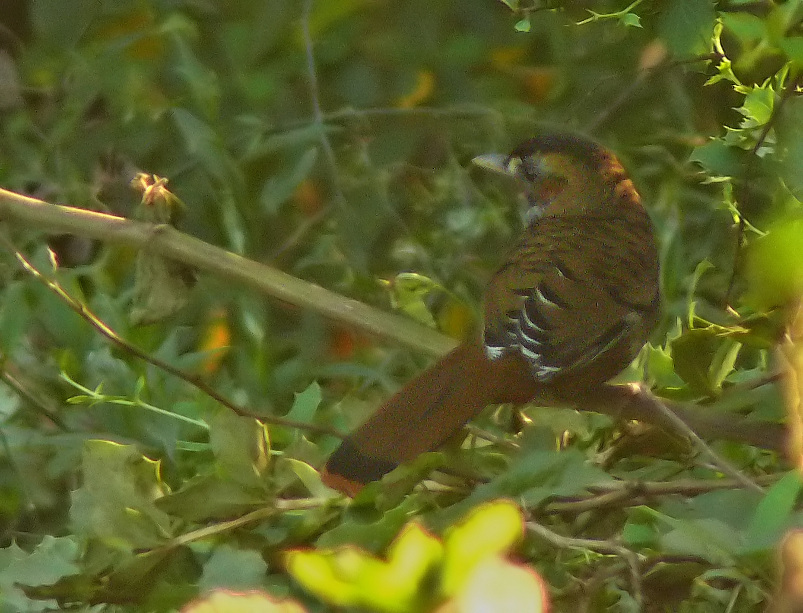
[(332, 139)]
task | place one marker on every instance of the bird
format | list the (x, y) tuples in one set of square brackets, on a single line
[(571, 305)]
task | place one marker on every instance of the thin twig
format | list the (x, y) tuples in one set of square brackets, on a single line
[(46, 407), (315, 98), (633, 402), (319, 121), (614, 15), (83, 311), (641, 78), (277, 506), (631, 558), (301, 231), (688, 487), (623, 494), (501, 441), (680, 425), (394, 113)]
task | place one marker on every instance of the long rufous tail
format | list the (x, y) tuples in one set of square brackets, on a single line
[(425, 413)]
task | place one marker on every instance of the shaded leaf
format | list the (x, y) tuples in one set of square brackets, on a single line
[(278, 189), (773, 514), (687, 26), (208, 497), (233, 568), (241, 446), (117, 500)]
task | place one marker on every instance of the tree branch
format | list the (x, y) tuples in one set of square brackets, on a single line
[(618, 401), (629, 402), (170, 243)]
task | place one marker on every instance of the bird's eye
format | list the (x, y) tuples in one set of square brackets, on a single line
[(531, 168)]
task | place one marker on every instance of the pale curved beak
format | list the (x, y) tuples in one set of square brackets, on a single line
[(495, 162)]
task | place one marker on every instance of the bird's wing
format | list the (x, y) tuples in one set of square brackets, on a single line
[(570, 291)]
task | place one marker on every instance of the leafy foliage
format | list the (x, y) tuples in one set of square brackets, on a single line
[(332, 139)]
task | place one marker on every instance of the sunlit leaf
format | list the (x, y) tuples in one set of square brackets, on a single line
[(774, 268), (502, 587), (221, 601), (489, 530)]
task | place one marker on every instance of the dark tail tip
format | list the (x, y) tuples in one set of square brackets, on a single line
[(348, 469)]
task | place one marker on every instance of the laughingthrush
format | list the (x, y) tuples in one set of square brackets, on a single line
[(570, 307)]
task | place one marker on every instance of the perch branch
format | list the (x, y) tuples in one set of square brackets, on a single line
[(617, 401), (170, 243)]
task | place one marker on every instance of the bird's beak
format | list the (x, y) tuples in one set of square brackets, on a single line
[(495, 162)]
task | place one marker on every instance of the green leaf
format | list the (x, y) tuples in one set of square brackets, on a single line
[(533, 477), (703, 359), (14, 316), (409, 292), (709, 539), (136, 575), (197, 134), (687, 26), (234, 569), (161, 288), (774, 514), (306, 403), (758, 105), (373, 532), (201, 142), (790, 147), (414, 553), (793, 48), (639, 535), (278, 189), (307, 136), (310, 477), (749, 29), (699, 271), (330, 576), (62, 23), (210, 497), (398, 585), (116, 501), (241, 446), (660, 367), (52, 559), (774, 268), (202, 82), (631, 20), (718, 158)]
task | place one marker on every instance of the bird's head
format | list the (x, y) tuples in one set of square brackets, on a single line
[(561, 174)]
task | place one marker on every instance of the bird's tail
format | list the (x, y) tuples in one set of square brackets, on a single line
[(425, 413)]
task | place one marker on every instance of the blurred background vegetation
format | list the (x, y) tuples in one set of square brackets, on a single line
[(332, 140)]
